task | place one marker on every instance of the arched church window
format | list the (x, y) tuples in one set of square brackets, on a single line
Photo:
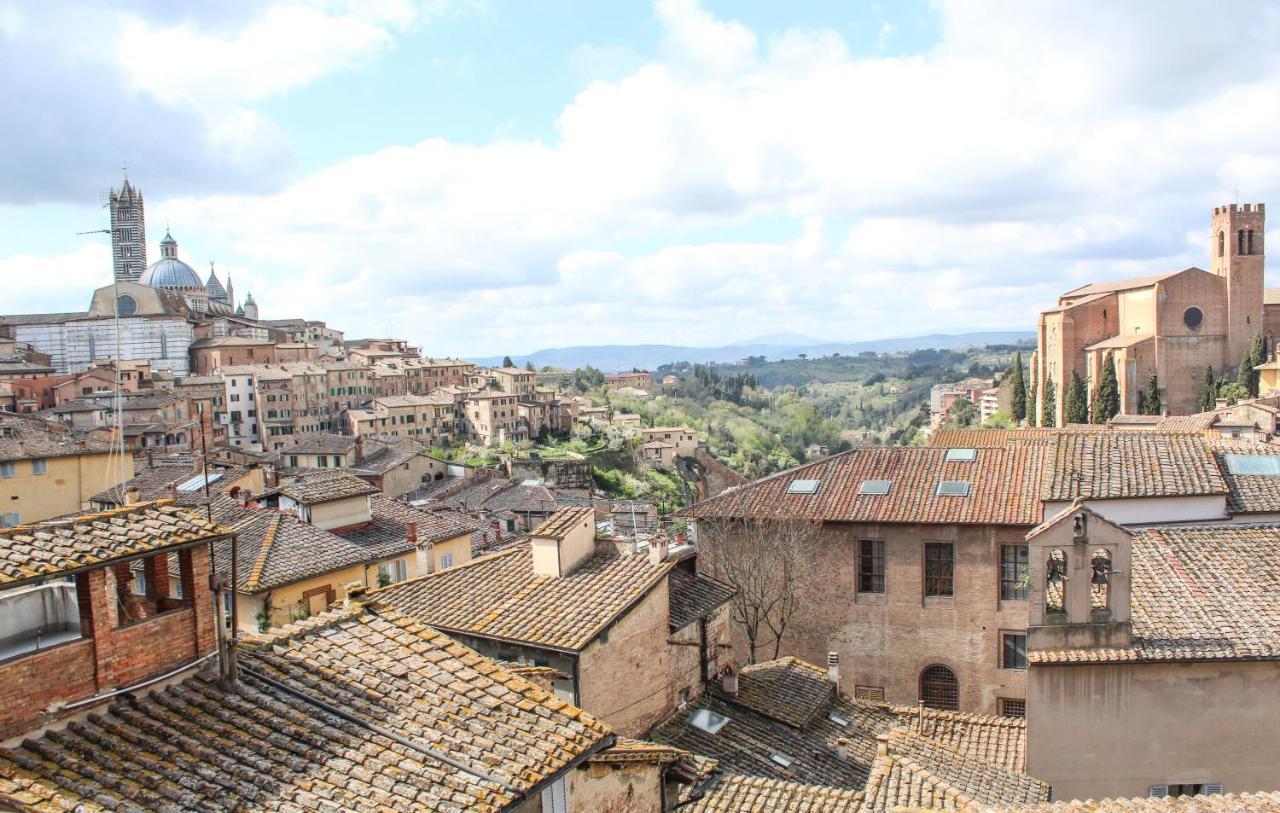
[(1100, 579), (1055, 582), (1240, 242), (939, 688), (1222, 243)]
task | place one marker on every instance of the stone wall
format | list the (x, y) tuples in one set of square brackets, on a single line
[(625, 674)]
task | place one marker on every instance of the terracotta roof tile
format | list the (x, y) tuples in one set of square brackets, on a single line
[(693, 597), (61, 546), (24, 438), (999, 740), (323, 485), (1249, 493), (1117, 465), (1003, 489), (199, 745), (736, 793), (276, 549), (1220, 803), (500, 596)]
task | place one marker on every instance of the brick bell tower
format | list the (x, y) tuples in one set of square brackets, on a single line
[(1236, 249)]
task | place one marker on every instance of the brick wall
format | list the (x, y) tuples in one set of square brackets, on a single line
[(626, 679)]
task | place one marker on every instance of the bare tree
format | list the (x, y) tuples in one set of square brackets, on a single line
[(771, 563)]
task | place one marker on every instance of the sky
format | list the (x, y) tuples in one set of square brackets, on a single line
[(497, 177)]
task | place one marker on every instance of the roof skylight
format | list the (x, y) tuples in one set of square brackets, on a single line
[(1268, 464), (803, 487), (953, 488), (782, 759), (196, 483), (837, 719), (961, 455), (708, 721), (874, 486)]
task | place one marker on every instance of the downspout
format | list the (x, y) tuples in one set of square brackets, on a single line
[(702, 652), (577, 699)]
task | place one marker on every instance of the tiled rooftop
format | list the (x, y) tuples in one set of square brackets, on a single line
[(1221, 803), (1003, 489), (386, 534), (738, 794), (275, 744), (24, 438), (276, 549), (559, 524), (1117, 465), (694, 597), (1249, 493), (61, 546), (500, 596), (1203, 592), (324, 485), (989, 738)]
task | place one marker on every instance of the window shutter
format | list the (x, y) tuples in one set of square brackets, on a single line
[(555, 798), (1213, 790), (1159, 791)]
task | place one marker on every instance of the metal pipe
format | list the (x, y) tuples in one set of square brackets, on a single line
[(125, 690)]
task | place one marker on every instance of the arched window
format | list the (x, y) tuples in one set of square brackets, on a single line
[(1251, 241), (1100, 579), (1240, 242), (1222, 243), (1055, 582), (939, 688)]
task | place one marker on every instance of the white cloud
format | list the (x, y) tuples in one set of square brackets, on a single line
[(1035, 148)]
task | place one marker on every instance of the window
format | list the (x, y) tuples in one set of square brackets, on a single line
[(293, 461), (1240, 242), (781, 759), (555, 797), (446, 561), (838, 720), (939, 688), (708, 721), (9, 521), (7, 469), (1012, 707), (871, 566), (1013, 572), (1192, 317), (1186, 789), (874, 486), (1013, 650), (953, 488), (961, 455), (1222, 243), (1055, 570), (803, 487), (39, 466), (939, 569)]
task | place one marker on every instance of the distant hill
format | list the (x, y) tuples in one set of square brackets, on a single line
[(610, 358)]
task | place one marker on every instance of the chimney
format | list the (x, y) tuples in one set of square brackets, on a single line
[(359, 450), (173, 491), (833, 667), (882, 745), (355, 594), (131, 496), (411, 533), (657, 550), (729, 682), (842, 748)]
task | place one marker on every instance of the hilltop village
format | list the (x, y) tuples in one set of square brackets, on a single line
[(250, 563)]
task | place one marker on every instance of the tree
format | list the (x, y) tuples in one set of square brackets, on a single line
[(528, 366), (507, 362), (1248, 377), (998, 420), (1017, 389), (962, 414), (771, 564), (1151, 398), (1032, 408), (1048, 404), (1106, 401), (1076, 409), (1233, 392), (1208, 390)]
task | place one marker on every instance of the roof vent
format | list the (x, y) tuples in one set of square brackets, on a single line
[(803, 487), (961, 455)]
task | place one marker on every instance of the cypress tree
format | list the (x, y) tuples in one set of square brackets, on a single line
[(1106, 401), (1151, 398), (1048, 404), (1017, 389), (1208, 390), (1077, 406), (1032, 409), (1248, 377)]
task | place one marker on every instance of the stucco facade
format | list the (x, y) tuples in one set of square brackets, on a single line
[(54, 486)]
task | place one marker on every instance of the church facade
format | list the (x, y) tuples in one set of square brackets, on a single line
[(1174, 324)]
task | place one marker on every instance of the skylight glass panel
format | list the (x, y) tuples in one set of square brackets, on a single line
[(803, 487), (875, 487), (197, 483), (953, 488), (837, 719), (1268, 464), (961, 455), (782, 759), (708, 721)]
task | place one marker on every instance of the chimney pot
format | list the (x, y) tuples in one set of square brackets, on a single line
[(833, 667), (729, 683), (131, 496), (842, 748), (657, 550), (411, 532)]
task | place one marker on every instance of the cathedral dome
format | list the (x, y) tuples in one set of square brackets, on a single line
[(170, 272)]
